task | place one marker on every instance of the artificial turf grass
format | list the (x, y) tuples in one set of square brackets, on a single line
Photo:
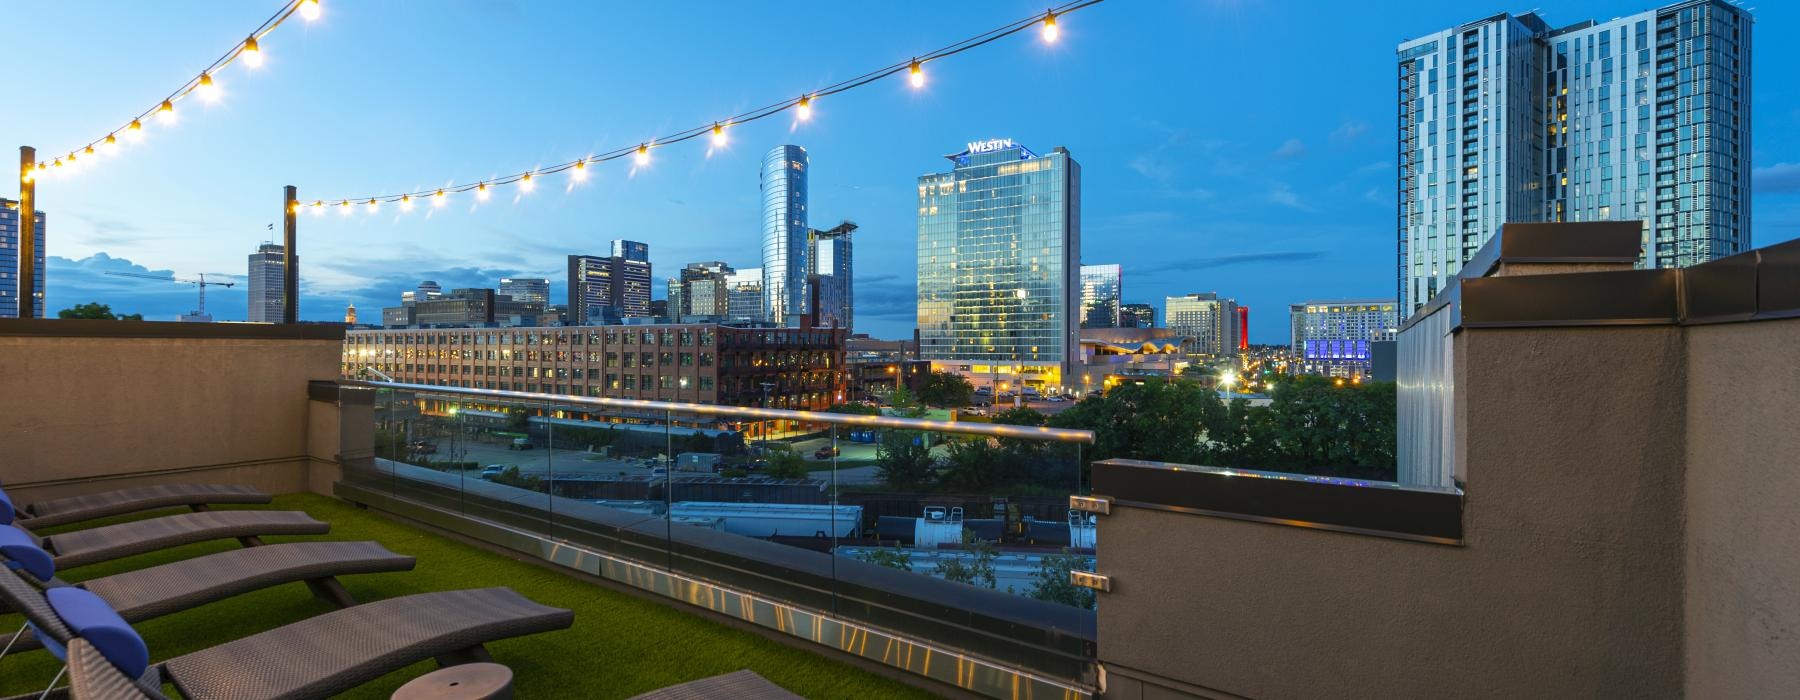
[(619, 646)]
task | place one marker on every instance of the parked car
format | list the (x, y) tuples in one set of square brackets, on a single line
[(826, 452), (520, 444), (424, 448), (492, 470), (1056, 399)]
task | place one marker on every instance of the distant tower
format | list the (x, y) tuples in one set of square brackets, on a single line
[(350, 314), (266, 281)]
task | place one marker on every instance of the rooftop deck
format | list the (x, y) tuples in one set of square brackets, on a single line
[(621, 645)]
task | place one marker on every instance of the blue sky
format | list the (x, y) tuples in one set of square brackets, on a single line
[(1233, 146)]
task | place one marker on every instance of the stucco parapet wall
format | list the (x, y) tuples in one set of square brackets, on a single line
[(93, 328), (1367, 507)]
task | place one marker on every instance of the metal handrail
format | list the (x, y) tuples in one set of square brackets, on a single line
[(752, 413)]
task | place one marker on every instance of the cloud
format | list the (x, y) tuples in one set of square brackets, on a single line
[(1349, 131), (68, 282), (1376, 166), (1290, 149), (1780, 177), (1283, 195), (1153, 166), (1189, 264), (887, 297)]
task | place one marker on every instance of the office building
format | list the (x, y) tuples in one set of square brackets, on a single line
[(350, 314), (267, 279), (831, 265), (675, 299), (533, 291), (999, 247), (9, 261), (784, 234), (694, 363), (744, 295), (1331, 337), (1208, 324), (1101, 287), (606, 289), (1644, 118), (700, 290), (427, 290), (1137, 316)]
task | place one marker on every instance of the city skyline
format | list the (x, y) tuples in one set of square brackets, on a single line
[(1282, 198)]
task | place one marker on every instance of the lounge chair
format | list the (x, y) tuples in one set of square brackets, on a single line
[(170, 588), (737, 685), (81, 547), (313, 658), (74, 509)]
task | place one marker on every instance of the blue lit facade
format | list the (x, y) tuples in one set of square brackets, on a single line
[(784, 233), (1645, 117), (1331, 337), (999, 265)]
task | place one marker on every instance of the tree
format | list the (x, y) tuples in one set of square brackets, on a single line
[(895, 558), (903, 458), (512, 477), (855, 409), (96, 310), (977, 570), (517, 419), (980, 465), (1051, 581), (1020, 415), (785, 463), (945, 390), (1155, 420), (905, 404)]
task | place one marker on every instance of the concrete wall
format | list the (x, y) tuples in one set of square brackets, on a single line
[(1743, 483), (1569, 583), (92, 408)]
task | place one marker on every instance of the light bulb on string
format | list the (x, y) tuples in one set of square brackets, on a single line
[(918, 75), (373, 205), (579, 174), (406, 202), (208, 89), (525, 183), (309, 10), (643, 154), (135, 132), (344, 207), (803, 109), (437, 200), (252, 53), (718, 135), (481, 192), (318, 208), (166, 113), (110, 144), (1050, 30)]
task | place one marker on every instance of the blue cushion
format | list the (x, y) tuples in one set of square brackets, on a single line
[(20, 550), (7, 512), (90, 618)]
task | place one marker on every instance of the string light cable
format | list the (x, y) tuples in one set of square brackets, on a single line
[(204, 86), (801, 105)]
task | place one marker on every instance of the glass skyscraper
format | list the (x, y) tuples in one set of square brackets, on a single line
[(1644, 117), (999, 264), (1101, 287), (531, 291), (784, 233), (9, 261), (831, 261)]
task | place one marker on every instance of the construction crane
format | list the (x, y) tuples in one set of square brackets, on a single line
[(201, 283)]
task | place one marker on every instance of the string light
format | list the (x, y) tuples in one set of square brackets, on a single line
[(437, 200), (577, 169), (208, 89), (373, 205), (406, 203), (205, 86), (344, 207), (110, 144)]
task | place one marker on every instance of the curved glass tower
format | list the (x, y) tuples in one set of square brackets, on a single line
[(784, 247)]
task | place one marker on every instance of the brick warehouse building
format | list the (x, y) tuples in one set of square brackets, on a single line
[(689, 363)]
